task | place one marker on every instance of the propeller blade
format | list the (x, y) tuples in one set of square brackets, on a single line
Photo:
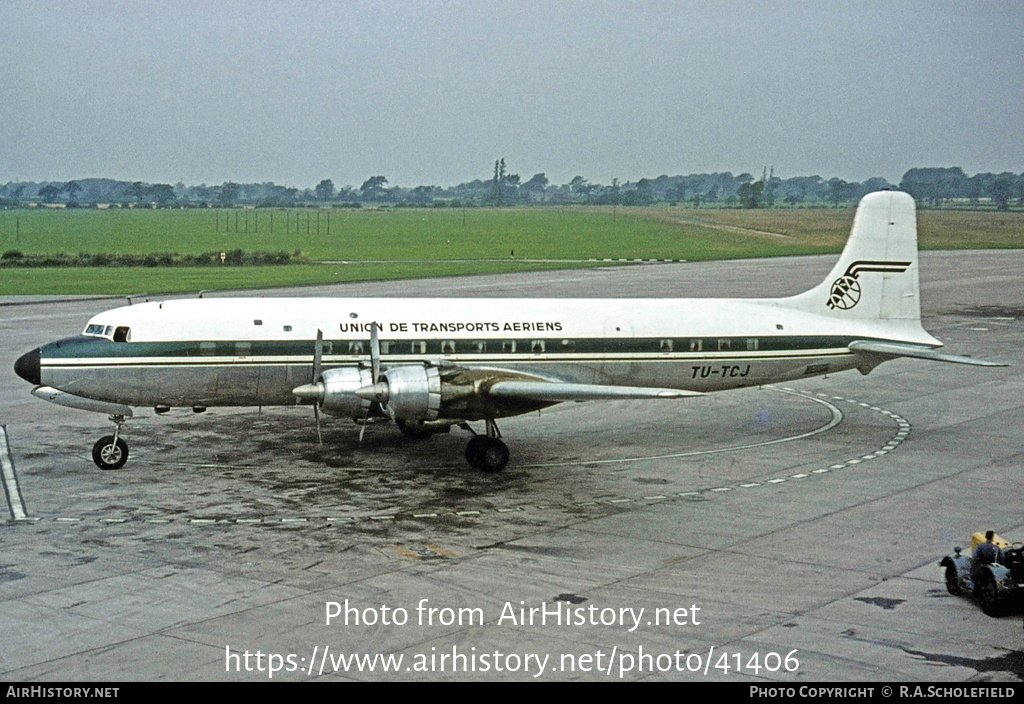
[(318, 356), (374, 352), (372, 392)]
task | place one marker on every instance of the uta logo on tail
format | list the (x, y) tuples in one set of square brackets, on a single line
[(845, 293)]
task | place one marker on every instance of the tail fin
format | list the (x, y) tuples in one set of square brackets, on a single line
[(875, 284), (876, 277)]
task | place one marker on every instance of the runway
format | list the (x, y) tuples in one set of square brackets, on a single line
[(785, 534)]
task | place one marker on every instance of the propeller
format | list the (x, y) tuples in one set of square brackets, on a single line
[(374, 374), (318, 356)]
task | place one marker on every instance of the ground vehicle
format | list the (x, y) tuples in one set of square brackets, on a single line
[(994, 585)]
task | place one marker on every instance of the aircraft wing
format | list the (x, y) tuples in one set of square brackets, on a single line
[(902, 349), (558, 391)]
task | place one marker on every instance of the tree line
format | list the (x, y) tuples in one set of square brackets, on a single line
[(934, 186)]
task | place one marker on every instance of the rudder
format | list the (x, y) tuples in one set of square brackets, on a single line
[(876, 277)]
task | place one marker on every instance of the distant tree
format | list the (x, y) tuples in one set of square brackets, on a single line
[(935, 184), (750, 194), (676, 192), (499, 176), (227, 194), (49, 193), (504, 186), (162, 193), (840, 190), (136, 190), (536, 184), (325, 190), (422, 194), (72, 188), (611, 195), (580, 185), (373, 187), (1000, 190), (644, 193)]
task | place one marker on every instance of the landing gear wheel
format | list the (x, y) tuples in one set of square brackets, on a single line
[(110, 452), (474, 449), (487, 454)]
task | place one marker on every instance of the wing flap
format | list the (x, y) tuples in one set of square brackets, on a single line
[(901, 349), (559, 391)]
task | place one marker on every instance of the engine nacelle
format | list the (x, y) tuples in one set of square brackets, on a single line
[(413, 393), (339, 392)]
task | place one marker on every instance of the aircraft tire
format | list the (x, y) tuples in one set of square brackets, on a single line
[(108, 454), (493, 456), (474, 448)]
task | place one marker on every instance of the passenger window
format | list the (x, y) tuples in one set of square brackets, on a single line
[(478, 346), (696, 345), (207, 349), (508, 346), (724, 344), (121, 334), (752, 344), (537, 346), (666, 345), (419, 347), (448, 347), (355, 348), (243, 349)]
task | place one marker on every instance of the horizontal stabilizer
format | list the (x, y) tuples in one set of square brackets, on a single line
[(557, 391), (899, 349)]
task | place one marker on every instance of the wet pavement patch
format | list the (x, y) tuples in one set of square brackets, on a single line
[(887, 604)]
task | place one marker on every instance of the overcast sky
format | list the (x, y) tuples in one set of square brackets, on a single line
[(433, 92)]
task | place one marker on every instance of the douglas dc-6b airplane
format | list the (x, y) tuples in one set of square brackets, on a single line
[(430, 363)]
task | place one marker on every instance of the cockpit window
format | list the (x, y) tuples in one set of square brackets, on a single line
[(119, 334)]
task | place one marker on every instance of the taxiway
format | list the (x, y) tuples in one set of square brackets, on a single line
[(804, 523)]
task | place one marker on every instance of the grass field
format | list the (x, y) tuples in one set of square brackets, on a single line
[(402, 243)]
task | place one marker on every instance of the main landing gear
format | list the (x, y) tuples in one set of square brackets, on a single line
[(110, 451), (488, 453)]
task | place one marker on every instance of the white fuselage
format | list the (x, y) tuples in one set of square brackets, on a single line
[(254, 351)]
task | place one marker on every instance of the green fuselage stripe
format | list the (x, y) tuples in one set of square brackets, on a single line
[(260, 351)]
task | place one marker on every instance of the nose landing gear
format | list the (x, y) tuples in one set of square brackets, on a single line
[(110, 451)]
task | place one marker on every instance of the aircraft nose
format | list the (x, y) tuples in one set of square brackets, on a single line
[(27, 367)]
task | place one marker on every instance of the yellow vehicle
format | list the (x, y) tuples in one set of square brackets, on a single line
[(995, 585)]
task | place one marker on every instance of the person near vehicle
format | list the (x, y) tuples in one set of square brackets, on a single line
[(988, 552)]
